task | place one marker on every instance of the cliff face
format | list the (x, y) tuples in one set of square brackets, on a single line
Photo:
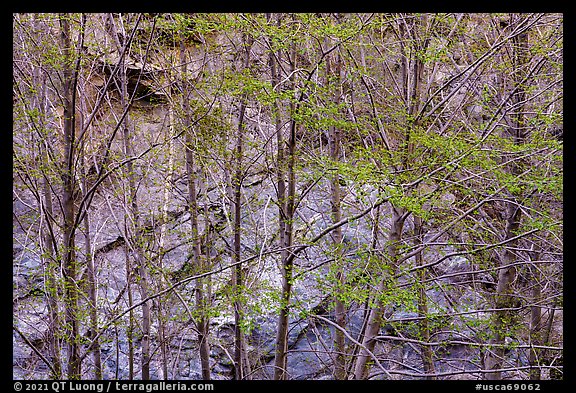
[(152, 88)]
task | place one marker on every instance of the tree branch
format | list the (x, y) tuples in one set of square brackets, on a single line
[(48, 363)]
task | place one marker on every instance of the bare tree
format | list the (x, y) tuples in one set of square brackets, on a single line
[(70, 68), (507, 273), (241, 368), (197, 257), (333, 79), (286, 205)]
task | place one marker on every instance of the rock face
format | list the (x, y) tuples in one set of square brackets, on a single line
[(453, 317), (310, 340)]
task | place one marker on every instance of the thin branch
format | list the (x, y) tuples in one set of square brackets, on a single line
[(48, 363), (335, 325), (458, 342)]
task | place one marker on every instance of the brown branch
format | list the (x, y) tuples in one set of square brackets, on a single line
[(445, 374), (457, 342), (335, 325), (332, 227)]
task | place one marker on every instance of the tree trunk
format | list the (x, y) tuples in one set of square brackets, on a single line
[(92, 287), (162, 336), (286, 203), (505, 294), (197, 260), (136, 240), (281, 170), (374, 320), (535, 357), (90, 257), (281, 154), (237, 274), (426, 351), (136, 244), (198, 265), (143, 276), (131, 320), (54, 325), (70, 263), (49, 251), (334, 147)]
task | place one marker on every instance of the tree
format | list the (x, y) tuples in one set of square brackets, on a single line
[(35, 103), (241, 367), (410, 82), (373, 188), (70, 262), (286, 205), (198, 264), (519, 132), (334, 77)]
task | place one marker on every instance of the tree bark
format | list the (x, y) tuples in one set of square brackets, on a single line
[(93, 300), (54, 324), (49, 251), (535, 357), (70, 262), (198, 265), (135, 241), (334, 147), (92, 289), (240, 368), (162, 309), (426, 353), (131, 320), (375, 315), (286, 203), (505, 296)]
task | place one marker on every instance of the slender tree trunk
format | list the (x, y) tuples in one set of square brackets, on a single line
[(49, 251), (283, 221), (339, 308), (334, 147), (287, 214), (546, 337), (54, 325), (92, 290), (375, 315), (162, 336), (143, 276), (70, 263), (280, 145), (237, 274), (198, 262), (237, 279), (426, 351), (369, 299), (141, 262), (136, 240), (505, 296), (202, 323), (131, 320), (535, 357), (90, 258), (414, 98)]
